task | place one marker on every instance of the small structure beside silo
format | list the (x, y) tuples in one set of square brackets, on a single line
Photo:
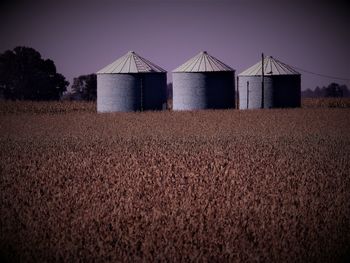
[(203, 82), (276, 85), (131, 83)]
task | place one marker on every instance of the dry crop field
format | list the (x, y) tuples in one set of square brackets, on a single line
[(228, 185), (326, 103)]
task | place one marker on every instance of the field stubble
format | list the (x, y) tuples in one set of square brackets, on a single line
[(263, 185)]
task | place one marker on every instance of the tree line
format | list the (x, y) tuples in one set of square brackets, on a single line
[(332, 90), (25, 75)]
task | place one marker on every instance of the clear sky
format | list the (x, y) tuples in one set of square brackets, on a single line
[(84, 36)]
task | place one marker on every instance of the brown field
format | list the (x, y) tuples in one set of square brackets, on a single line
[(19, 107), (326, 103), (238, 186)]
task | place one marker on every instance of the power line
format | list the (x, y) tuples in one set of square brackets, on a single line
[(321, 75)]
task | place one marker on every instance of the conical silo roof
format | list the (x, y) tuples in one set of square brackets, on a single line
[(203, 62), (272, 66), (131, 62)]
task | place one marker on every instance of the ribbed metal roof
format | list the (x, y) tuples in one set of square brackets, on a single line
[(272, 66), (203, 62), (131, 62)]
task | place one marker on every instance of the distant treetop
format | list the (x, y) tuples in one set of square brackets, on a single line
[(25, 75)]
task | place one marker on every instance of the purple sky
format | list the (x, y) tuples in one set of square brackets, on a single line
[(84, 36)]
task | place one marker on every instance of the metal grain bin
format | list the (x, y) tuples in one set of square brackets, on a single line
[(282, 86), (203, 82), (131, 83)]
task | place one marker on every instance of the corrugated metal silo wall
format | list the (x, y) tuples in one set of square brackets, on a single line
[(250, 91), (153, 91), (118, 92), (287, 91), (280, 91), (203, 90)]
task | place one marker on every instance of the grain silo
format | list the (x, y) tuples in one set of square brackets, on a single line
[(276, 86), (131, 83), (203, 82)]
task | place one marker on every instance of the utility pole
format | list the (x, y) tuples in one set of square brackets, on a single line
[(262, 80)]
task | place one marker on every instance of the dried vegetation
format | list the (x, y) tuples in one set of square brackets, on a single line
[(244, 186), (326, 103)]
